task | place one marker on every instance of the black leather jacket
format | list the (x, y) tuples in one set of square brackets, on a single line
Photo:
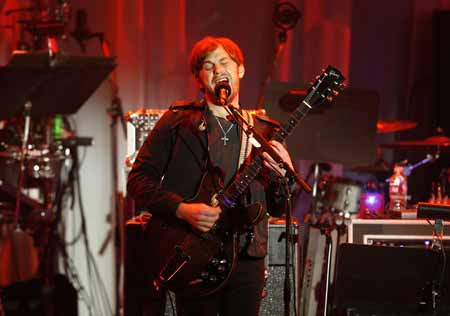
[(172, 160)]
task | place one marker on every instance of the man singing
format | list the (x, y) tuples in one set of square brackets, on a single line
[(185, 143)]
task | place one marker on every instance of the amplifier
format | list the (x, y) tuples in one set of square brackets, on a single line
[(394, 232), (139, 125), (387, 281), (140, 296), (273, 303)]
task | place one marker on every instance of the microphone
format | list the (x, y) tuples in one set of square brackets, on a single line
[(223, 91)]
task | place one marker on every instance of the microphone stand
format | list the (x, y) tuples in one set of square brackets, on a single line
[(283, 179), (23, 156), (117, 231), (289, 239), (410, 167)]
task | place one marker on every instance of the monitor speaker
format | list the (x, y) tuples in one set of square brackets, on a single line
[(374, 280), (37, 297)]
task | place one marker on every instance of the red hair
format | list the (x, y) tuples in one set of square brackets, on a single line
[(208, 44)]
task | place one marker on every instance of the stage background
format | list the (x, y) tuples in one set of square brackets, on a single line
[(379, 45)]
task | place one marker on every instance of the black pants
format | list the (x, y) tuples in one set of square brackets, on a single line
[(241, 296)]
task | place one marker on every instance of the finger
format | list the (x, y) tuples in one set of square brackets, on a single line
[(204, 227), (277, 145), (282, 152), (269, 161), (268, 158), (207, 219), (269, 164), (206, 223), (274, 167), (211, 213)]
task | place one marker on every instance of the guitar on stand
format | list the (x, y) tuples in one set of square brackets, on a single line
[(323, 219), (198, 264)]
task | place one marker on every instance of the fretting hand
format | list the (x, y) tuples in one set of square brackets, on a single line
[(270, 163)]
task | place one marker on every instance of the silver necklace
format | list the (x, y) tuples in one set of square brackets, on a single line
[(224, 137)]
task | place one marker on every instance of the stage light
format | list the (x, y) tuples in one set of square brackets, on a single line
[(371, 204)]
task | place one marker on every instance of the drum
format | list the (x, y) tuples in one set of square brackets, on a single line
[(341, 194), (18, 255), (40, 164)]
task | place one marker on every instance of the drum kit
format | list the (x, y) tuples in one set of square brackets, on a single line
[(43, 161), (344, 198), (39, 88)]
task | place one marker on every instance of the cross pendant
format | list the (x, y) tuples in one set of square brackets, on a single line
[(225, 139)]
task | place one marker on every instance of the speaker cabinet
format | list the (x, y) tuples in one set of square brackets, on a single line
[(273, 303), (140, 296), (37, 297), (414, 233), (373, 280)]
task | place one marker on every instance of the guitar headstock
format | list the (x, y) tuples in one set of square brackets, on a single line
[(327, 85)]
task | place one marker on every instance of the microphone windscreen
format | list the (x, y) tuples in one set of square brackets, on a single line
[(222, 85)]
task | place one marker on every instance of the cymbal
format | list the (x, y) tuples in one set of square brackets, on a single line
[(380, 168), (433, 142), (394, 126)]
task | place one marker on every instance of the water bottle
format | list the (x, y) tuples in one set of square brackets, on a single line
[(398, 190)]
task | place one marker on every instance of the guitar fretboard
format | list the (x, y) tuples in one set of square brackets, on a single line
[(251, 171), (322, 88)]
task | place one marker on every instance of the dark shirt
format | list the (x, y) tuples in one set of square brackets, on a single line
[(169, 167), (224, 148)]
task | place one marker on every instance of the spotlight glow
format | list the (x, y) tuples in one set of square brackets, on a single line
[(371, 202)]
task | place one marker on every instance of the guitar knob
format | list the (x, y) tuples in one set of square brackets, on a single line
[(223, 262), (214, 261), (212, 278), (221, 268), (204, 275)]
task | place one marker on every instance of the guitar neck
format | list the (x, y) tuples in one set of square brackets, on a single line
[(322, 89), (251, 171), (241, 182), (287, 128)]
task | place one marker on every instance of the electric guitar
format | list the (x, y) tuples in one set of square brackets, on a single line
[(194, 264)]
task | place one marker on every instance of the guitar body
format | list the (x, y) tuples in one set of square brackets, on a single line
[(192, 263)]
